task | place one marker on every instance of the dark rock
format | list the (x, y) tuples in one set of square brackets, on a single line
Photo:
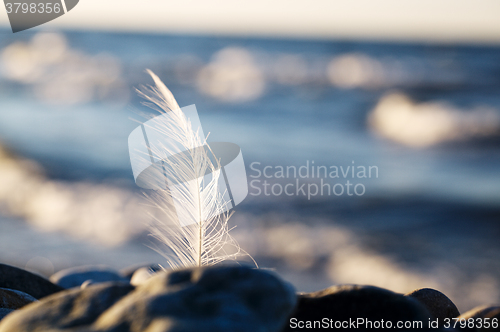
[(223, 299), (129, 271), (4, 312), (76, 276), (13, 299), (67, 310), (479, 314), (26, 282), (141, 275), (87, 284), (438, 304), (349, 302)]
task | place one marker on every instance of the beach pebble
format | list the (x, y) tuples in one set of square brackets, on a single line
[(223, 299), (484, 311), (480, 313), (68, 310), (4, 312), (13, 299), (345, 302), (128, 272), (14, 278), (76, 276), (438, 304), (87, 283), (141, 275)]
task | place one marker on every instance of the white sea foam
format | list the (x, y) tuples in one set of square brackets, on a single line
[(402, 120), (99, 213)]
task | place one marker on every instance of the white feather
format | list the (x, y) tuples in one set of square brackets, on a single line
[(206, 240)]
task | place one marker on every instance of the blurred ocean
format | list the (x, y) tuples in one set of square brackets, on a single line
[(426, 115)]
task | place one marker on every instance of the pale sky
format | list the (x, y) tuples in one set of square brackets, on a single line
[(430, 20)]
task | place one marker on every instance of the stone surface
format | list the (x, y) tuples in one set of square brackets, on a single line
[(438, 304), (4, 312), (128, 272), (142, 275), (13, 299), (76, 276), (480, 313), (70, 310), (345, 302), (87, 284), (27, 282), (222, 299)]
